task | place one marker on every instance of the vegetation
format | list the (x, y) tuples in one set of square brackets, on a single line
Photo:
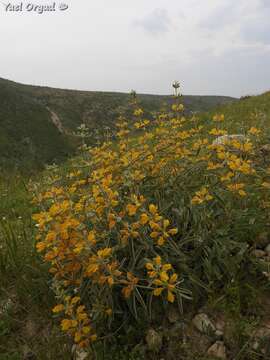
[(157, 221), (38, 123)]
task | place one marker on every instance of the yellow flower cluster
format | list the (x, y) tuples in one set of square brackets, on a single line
[(116, 208), (201, 196), (76, 321), (219, 117), (158, 273)]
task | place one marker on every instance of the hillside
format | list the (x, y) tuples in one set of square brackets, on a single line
[(37, 123), (158, 228), (249, 111)]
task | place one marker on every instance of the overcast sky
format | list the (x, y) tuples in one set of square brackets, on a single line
[(216, 47)]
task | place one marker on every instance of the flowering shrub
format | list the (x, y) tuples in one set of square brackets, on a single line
[(153, 217)]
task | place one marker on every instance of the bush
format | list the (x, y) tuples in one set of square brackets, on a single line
[(157, 217)]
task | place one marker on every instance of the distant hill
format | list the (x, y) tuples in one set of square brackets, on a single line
[(37, 123), (247, 112)]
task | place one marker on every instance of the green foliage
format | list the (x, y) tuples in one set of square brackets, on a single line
[(29, 138)]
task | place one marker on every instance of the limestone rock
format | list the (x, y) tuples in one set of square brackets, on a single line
[(260, 335), (153, 340), (265, 149), (218, 350), (203, 323), (258, 253), (267, 249), (223, 140), (262, 240), (173, 315)]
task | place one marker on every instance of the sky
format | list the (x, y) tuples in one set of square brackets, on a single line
[(213, 47)]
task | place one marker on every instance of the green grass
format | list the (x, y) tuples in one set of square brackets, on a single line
[(26, 325)]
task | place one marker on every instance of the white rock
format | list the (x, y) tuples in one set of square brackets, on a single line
[(219, 333), (267, 249), (222, 140), (79, 353), (217, 350), (260, 334), (258, 253), (203, 323), (173, 315), (153, 340)]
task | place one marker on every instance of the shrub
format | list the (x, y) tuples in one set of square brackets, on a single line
[(159, 216)]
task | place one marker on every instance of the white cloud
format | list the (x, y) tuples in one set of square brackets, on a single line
[(156, 22), (101, 45)]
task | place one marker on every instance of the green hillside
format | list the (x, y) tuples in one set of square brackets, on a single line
[(249, 111), (37, 123), (157, 228), (27, 135)]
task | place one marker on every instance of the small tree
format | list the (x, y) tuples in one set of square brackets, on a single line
[(176, 86)]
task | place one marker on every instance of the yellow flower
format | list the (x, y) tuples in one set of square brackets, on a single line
[(158, 291), (109, 312), (138, 112), (157, 260), (149, 266), (218, 117), (212, 166), (266, 184), (75, 300), (173, 231), (164, 276), (242, 193), (77, 337), (201, 196), (166, 267), (170, 296), (237, 188), (254, 131), (153, 209), (178, 107), (161, 241), (91, 237), (154, 234), (173, 278), (227, 177), (66, 324), (131, 209), (40, 246), (58, 308), (217, 132), (144, 219), (104, 252), (86, 330)]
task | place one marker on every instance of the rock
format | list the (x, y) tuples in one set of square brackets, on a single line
[(218, 350), (262, 240), (267, 249), (175, 331), (27, 354), (223, 140), (260, 335), (196, 341), (173, 315), (31, 329), (78, 353), (263, 331), (203, 323), (265, 149), (258, 253), (220, 323), (219, 333), (153, 340)]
